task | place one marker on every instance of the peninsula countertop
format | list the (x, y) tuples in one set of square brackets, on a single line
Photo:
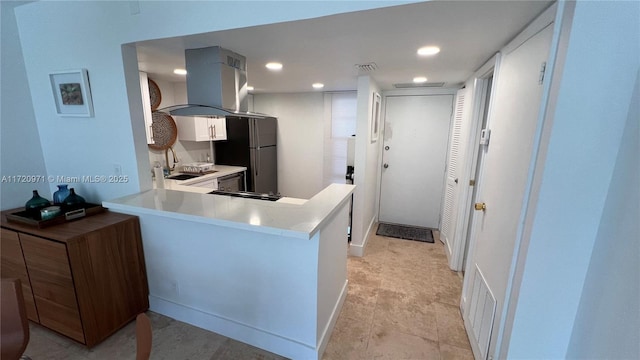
[(282, 218)]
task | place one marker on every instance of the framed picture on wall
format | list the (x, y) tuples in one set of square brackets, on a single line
[(71, 93), (375, 117)]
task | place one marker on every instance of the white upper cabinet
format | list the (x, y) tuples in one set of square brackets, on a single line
[(146, 106), (201, 128)]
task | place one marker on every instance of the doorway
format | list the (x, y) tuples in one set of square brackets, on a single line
[(413, 157), (502, 178), (485, 100)]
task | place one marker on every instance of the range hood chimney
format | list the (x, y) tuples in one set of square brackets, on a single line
[(216, 84)]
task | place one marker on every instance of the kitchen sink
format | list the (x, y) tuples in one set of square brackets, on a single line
[(183, 176)]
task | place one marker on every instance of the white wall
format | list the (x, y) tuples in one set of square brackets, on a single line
[(590, 105), (607, 324), (115, 135), (20, 150), (366, 172), (300, 140)]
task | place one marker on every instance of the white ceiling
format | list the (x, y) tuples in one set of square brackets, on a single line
[(327, 49)]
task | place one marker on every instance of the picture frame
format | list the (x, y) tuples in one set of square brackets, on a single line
[(375, 117), (72, 93)]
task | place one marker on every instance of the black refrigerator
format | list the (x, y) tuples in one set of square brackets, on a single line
[(251, 142)]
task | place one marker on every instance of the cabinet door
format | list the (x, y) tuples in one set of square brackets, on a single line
[(146, 106), (204, 128), (211, 184), (52, 285), (219, 129), (193, 128), (109, 278), (13, 266)]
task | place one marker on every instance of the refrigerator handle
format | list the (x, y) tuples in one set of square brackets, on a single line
[(252, 134), (257, 161), (256, 132), (253, 162)]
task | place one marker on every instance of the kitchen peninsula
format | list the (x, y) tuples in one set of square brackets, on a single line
[(269, 273)]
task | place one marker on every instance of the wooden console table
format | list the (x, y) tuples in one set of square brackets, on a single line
[(84, 279)]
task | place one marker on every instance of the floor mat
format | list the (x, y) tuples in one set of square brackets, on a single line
[(405, 232)]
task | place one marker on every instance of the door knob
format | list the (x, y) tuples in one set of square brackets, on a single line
[(386, 147), (480, 206), (385, 166)]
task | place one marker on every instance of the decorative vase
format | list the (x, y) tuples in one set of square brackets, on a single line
[(73, 200), (36, 203), (61, 194)]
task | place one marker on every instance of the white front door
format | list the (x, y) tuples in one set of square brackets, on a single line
[(414, 155), (505, 167)]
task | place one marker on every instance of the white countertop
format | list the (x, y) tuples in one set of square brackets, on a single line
[(293, 218), (184, 185)]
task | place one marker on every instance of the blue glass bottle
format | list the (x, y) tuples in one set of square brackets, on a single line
[(61, 194)]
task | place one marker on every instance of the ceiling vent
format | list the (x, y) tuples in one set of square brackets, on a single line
[(415, 85), (366, 68)]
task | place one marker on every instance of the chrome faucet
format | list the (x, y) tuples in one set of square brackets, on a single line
[(166, 158)]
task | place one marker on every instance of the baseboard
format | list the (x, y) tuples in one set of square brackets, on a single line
[(447, 248), (358, 250), (257, 337), (328, 330)]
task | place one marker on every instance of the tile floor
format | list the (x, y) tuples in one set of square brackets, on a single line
[(402, 304)]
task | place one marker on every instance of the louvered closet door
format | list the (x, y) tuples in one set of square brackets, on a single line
[(447, 230)]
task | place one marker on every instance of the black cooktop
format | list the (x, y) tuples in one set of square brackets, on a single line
[(247, 195)]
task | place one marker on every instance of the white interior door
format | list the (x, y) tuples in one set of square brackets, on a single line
[(447, 228), (415, 150), (502, 182)]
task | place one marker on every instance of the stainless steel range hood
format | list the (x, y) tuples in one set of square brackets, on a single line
[(216, 84)]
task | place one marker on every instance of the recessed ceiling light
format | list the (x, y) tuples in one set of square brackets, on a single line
[(318, 85), (419, 79), (180, 71), (274, 66), (249, 88), (428, 50)]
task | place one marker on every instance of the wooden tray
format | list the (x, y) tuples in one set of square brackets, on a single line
[(66, 215)]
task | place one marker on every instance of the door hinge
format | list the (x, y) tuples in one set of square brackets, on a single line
[(543, 67)]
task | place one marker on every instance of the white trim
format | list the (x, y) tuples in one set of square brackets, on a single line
[(479, 99), (537, 25), (232, 329), (561, 33), (357, 249), (328, 330)]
